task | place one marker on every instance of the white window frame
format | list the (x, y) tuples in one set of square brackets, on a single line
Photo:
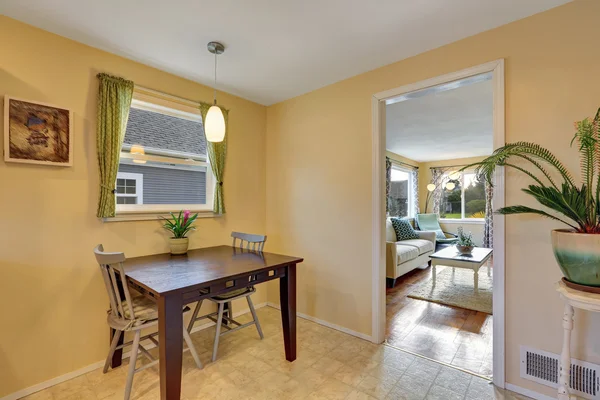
[(139, 186), (462, 219), (411, 195), (164, 105)]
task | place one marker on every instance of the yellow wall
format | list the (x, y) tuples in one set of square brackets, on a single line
[(319, 174), (53, 301)]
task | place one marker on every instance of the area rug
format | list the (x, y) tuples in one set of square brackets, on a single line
[(454, 287)]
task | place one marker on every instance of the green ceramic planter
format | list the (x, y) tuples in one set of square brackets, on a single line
[(578, 256)]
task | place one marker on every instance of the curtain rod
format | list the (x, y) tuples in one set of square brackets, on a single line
[(449, 166), (168, 96), (403, 163)]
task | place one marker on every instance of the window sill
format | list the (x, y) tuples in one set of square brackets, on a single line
[(473, 221), (153, 216)]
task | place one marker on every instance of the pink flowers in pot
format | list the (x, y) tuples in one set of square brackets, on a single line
[(180, 224)]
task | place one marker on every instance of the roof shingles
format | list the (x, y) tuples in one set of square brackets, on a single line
[(151, 129)]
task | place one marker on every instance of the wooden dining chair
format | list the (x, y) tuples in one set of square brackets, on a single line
[(250, 242), (130, 313)]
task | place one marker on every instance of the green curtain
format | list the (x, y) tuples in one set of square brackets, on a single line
[(216, 156), (114, 101)]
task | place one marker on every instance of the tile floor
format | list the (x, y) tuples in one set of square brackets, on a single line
[(331, 365), (448, 334)]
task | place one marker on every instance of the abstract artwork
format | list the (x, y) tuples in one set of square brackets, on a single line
[(37, 133)]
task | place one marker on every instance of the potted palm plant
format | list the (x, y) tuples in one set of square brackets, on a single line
[(179, 226), (577, 248)]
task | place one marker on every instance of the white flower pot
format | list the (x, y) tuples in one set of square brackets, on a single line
[(179, 245)]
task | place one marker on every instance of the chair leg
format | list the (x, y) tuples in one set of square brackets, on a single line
[(190, 345), (255, 317), (229, 312), (113, 346), (218, 332), (132, 360), (194, 316)]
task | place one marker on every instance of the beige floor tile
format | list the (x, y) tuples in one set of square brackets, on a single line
[(70, 387), (358, 395), (331, 389), (42, 395), (330, 365), (350, 375)]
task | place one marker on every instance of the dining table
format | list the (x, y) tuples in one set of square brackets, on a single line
[(176, 280)]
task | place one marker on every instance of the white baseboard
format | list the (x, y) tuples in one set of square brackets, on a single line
[(325, 323), (528, 392), (74, 374)]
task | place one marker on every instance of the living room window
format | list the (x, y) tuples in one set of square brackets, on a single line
[(401, 198), (164, 165), (463, 198)]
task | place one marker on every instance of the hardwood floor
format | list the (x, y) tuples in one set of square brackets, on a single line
[(448, 334)]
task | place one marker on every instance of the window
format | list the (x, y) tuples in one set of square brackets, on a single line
[(130, 188), (401, 197), (163, 166), (463, 198)]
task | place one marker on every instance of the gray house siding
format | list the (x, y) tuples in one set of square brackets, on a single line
[(170, 186)]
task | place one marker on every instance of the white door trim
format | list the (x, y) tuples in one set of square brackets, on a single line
[(378, 204)]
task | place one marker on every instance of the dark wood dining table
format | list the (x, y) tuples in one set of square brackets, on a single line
[(173, 281)]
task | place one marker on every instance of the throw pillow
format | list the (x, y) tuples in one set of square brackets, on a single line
[(404, 230)]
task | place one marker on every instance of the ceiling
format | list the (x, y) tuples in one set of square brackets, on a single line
[(443, 124), (275, 49)]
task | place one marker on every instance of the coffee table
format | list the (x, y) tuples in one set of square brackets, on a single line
[(451, 257)]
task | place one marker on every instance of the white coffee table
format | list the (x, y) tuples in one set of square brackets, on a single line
[(451, 257)]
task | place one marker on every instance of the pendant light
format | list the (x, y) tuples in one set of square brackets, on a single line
[(214, 123)]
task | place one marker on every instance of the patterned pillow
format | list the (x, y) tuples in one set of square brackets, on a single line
[(404, 230)]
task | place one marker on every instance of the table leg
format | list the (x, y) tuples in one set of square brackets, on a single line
[(117, 357), (287, 294), (433, 273), (170, 337), (476, 279), (565, 356)]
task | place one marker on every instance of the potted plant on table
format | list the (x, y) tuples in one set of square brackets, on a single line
[(180, 225), (576, 249), (465, 242)]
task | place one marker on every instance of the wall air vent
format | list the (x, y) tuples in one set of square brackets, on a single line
[(543, 367)]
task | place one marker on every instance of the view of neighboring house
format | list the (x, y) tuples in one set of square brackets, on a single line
[(168, 178)]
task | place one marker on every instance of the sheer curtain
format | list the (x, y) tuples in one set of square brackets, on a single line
[(488, 228), (415, 190), (388, 179), (436, 177)]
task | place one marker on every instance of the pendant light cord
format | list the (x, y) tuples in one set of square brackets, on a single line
[(215, 85)]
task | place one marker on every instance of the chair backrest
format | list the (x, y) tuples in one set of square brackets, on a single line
[(252, 242), (111, 265), (428, 222)]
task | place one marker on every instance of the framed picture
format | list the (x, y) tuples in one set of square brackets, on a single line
[(37, 133)]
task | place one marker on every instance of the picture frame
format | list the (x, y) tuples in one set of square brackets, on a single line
[(37, 133)]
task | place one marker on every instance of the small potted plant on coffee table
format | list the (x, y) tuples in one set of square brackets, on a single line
[(465, 242), (180, 225)]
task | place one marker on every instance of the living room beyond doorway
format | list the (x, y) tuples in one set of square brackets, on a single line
[(439, 223)]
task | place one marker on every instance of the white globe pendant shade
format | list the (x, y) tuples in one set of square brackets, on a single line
[(214, 125), (431, 187), (450, 185), (454, 175)]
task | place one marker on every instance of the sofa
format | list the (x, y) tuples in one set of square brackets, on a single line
[(404, 256)]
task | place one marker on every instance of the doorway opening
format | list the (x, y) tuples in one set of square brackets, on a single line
[(428, 299)]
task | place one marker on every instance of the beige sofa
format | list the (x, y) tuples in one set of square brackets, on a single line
[(404, 256)]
